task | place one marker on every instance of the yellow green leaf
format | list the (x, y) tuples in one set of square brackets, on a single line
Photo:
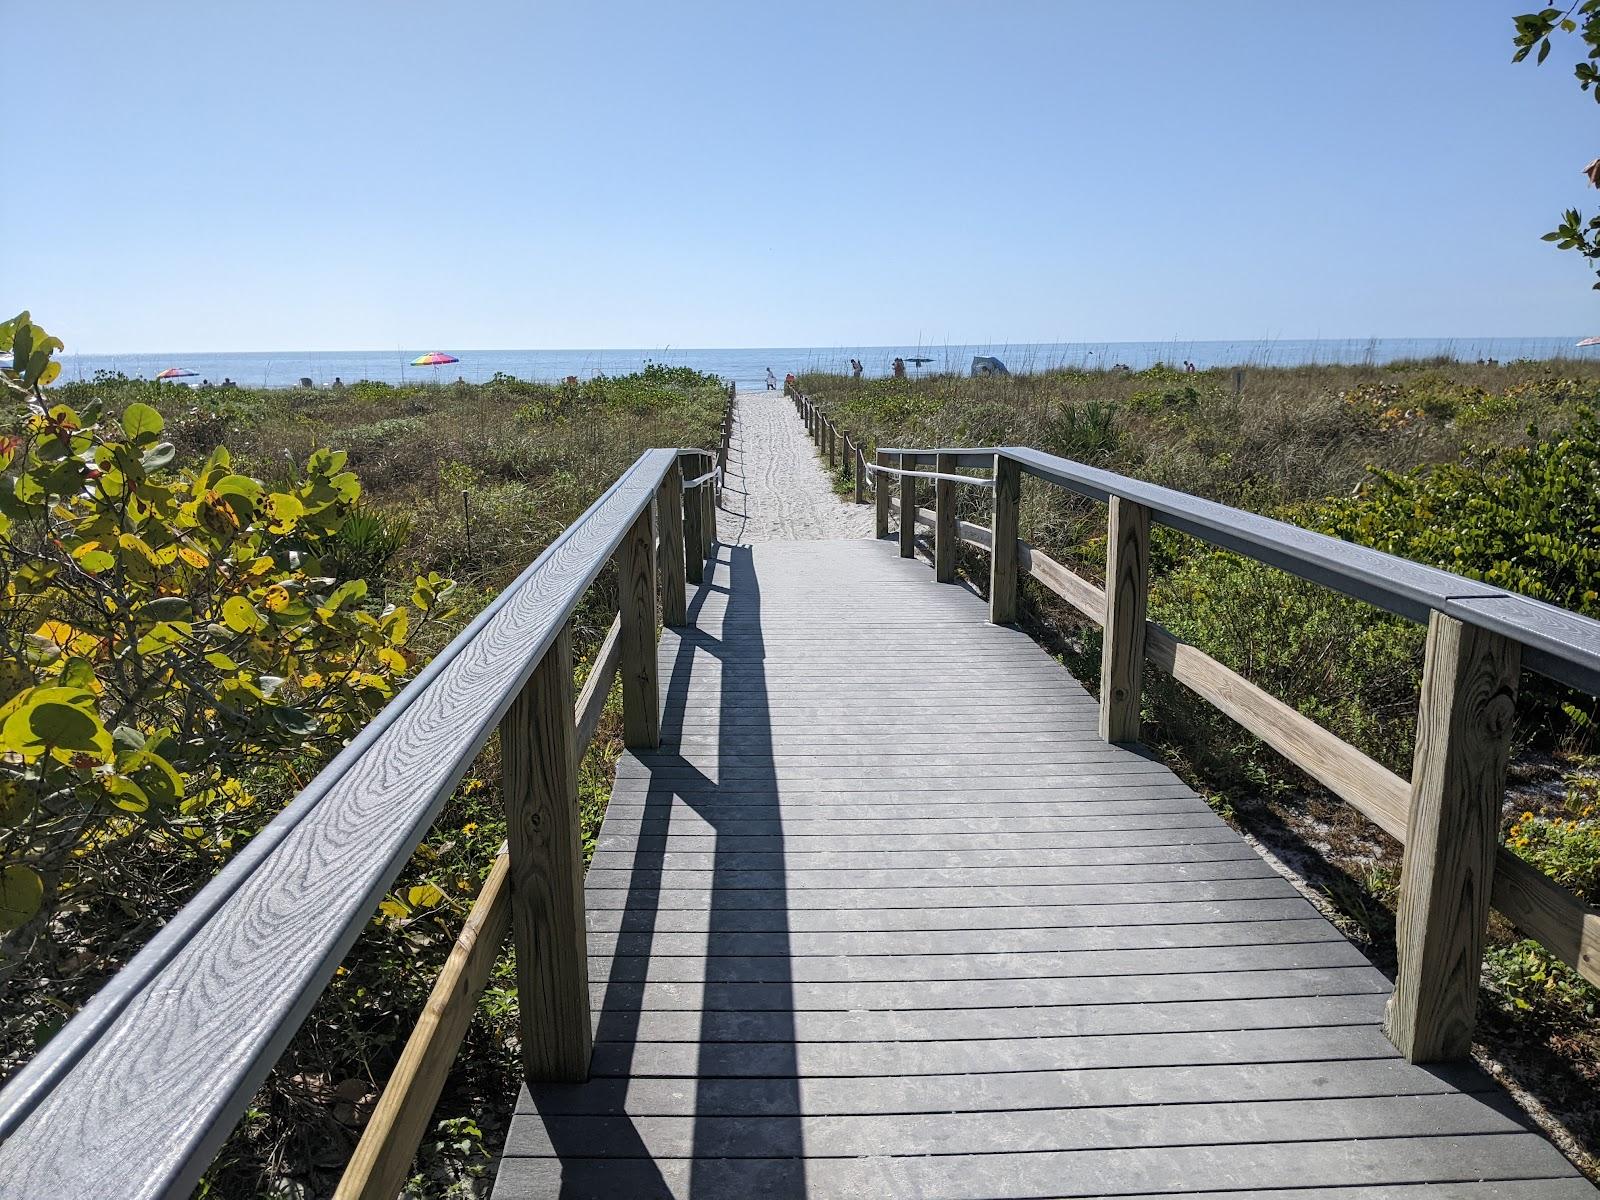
[(21, 894), (424, 895), (239, 615)]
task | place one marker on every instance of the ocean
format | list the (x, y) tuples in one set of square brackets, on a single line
[(748, 367)]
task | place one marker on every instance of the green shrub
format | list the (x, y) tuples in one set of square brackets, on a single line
[(1082, 431), (363, 546), (1525, 518), (1566, 847), (1348, 666), (1539, 986)]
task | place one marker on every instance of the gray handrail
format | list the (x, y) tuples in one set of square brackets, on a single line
[(1557, 643), (971, 480), (135, 1095)]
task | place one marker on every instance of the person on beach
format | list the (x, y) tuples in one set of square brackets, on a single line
[(899, 368), (772, 381), (855, 368)]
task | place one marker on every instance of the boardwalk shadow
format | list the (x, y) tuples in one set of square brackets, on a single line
[(746, 1138)]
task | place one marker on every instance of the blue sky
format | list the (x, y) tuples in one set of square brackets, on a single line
[(223, 176)]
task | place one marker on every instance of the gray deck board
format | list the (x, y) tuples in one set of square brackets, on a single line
[(883, 917)]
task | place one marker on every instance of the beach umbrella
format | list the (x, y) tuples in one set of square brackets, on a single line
[(177, 373), (436, 359), (1594, 341)]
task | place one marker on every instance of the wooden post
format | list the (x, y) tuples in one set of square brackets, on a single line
[(671, 567), (708, 525), (1003, 542), (1458, 778), (860, 476), (539, 765), (1122, 648), (945, 538), (636, 585), (694, 511), (908, 509), (833, 445), (880, 492)]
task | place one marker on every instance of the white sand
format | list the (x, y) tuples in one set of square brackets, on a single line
[(777, 488)]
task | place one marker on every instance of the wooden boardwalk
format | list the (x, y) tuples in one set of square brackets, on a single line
[(885, 917)]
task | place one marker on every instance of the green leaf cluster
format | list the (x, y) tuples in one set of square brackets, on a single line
[(1525, 518), (165, 632), (1535, 30)]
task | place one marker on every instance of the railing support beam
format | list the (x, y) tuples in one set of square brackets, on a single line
[(1122, 646), (672, 568), (539, 758), (636, 600), (1458, 775), (1003, 542), (945, 538), (880, 493), (860, 476), (694, 512), (908, 511), (708, 522)]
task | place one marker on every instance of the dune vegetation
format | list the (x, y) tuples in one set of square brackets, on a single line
[(207, 591), (1489, 470)]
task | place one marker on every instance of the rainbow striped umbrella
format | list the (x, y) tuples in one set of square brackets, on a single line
[(176, 373), (436, 359)]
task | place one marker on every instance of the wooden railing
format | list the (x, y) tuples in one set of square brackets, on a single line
[(134, 1096), (726, 438), (1480, 637), (842, 452)]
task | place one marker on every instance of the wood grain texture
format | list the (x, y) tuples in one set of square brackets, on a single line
[(636, 584), (1064, 582), (1003, 541), (139, 1105), (1469, 689), (945, 537), (1122, 644), (382, 1160), (836, 951), (1377, 792), (671, 569), (538, 751)]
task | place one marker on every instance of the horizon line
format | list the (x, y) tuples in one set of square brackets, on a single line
[(947, 345)]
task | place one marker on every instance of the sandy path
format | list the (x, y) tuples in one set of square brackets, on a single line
[(776, 490)]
